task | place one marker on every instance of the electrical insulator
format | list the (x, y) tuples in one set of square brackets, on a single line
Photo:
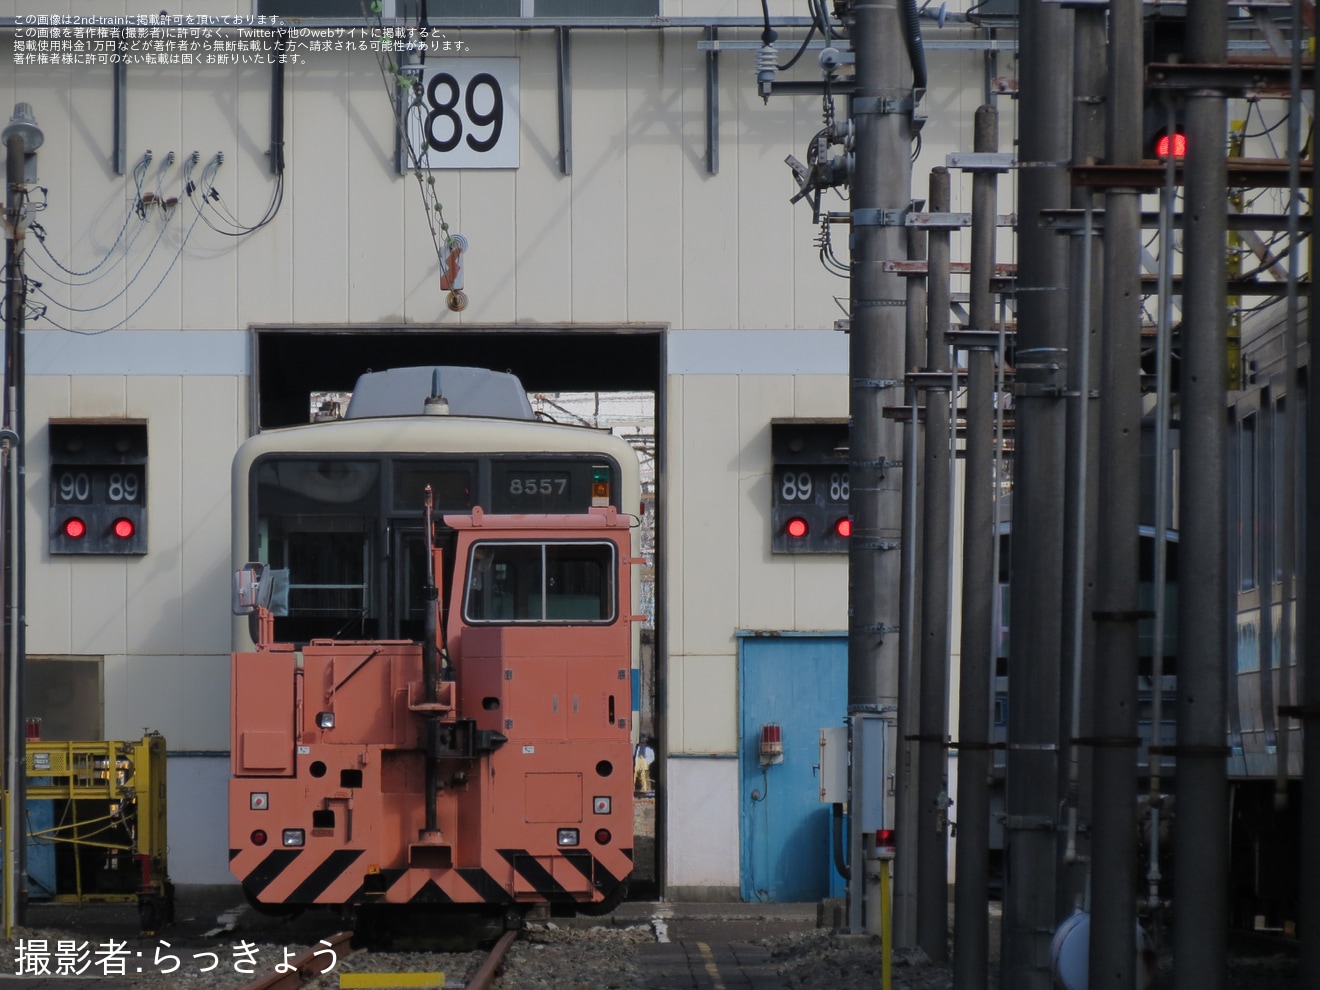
[(767, 64)]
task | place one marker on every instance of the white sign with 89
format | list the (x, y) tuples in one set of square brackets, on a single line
[(468, 114)]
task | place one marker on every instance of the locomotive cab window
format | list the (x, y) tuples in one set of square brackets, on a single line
[(512, 582)]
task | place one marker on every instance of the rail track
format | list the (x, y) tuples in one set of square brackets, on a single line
[(306, 967)]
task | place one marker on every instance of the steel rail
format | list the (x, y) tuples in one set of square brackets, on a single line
[(304, 967), (485, 975)]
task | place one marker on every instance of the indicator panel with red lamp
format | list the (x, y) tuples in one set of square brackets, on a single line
[(98, 487), (810, 487)]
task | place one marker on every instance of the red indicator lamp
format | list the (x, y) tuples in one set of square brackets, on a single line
[(124, 528), (843, 527), (75, 528), (797, 527), (1175, 143)]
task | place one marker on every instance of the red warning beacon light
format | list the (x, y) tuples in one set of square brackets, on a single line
[(885, 842), (1175, 144), (772, 744)]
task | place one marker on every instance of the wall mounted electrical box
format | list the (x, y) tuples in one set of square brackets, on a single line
[(834, 765)]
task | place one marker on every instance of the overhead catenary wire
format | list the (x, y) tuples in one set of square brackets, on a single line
[(826, 251), (139, 174), (137, 209), (212, 199), (821, 16), (228, 225), (39, 288), (43, 312), (100, 272), (768, 34)]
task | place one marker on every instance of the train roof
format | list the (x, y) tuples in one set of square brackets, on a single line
[(468, 391), (432, 435)]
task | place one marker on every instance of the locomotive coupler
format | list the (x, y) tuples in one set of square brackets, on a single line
[(460, 739)]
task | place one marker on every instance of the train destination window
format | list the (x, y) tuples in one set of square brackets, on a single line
[(512, 582), (548, 486), (286, 485), (451, 486)]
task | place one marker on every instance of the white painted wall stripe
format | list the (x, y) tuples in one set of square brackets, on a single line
[(138, 352), (225, 352), (757, 352)]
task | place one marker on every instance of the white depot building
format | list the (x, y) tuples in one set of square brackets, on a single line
[(214, 235)]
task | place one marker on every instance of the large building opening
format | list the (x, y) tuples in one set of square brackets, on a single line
[(602, 378), (292, 362)]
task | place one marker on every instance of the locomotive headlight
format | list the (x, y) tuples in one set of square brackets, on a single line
[(565, 837), (325, 720), (293, 837)]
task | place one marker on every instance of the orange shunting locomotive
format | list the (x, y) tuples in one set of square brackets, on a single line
[(435, 706)]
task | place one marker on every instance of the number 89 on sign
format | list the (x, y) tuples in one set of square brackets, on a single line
[(811, 484), (465, 116)]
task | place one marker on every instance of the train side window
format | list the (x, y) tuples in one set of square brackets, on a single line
[(541, 583)]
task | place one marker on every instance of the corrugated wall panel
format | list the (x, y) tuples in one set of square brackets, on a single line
[(154, 607), (656, 164)]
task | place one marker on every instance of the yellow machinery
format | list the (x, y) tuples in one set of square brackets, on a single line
[(96, 824)]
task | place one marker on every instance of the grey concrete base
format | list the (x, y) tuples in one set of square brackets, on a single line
[(832, 913), (703, 895)]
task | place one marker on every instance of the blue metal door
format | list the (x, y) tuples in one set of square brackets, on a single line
[(800, 683)]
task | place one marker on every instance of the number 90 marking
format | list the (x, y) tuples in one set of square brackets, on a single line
[(75, 487)]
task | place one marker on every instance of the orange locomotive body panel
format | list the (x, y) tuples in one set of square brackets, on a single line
[(530, 736)]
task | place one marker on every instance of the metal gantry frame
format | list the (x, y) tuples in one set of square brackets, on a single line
[(108, 804), (1058, 873)]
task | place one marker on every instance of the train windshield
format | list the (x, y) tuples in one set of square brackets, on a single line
[(315, 519), (348, 527), (535, 582)]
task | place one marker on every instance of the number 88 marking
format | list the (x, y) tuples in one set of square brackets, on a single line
[(839, 486), (795, 486)]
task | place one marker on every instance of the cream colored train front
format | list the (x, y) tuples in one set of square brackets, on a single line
[(435, 683)]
